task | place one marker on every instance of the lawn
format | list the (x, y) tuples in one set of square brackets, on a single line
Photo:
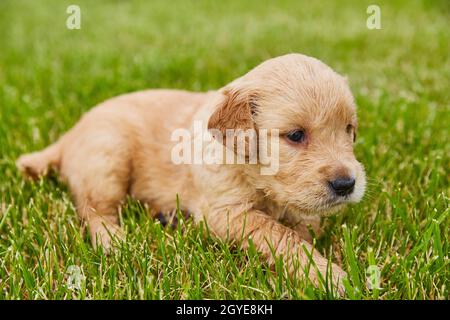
[(400, 76)]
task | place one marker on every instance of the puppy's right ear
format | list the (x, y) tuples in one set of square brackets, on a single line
[(235, 111)]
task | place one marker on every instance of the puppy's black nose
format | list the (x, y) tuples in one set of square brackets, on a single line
[(342, 186)]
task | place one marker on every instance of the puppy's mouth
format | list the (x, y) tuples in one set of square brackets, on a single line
[(333, 201), (328, 206), (332, 205)]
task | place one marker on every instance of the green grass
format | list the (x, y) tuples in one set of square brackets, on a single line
[(400, 76)]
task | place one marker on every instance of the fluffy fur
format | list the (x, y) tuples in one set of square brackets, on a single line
[(123, 146)]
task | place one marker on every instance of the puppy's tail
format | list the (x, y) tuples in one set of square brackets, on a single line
[(37, 164)]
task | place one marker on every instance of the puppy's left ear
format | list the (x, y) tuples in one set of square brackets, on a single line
[(235, 111)]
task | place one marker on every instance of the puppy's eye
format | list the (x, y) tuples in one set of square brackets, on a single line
[(297, 136), (351, 130)]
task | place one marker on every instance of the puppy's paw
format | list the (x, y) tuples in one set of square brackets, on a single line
[(32, 165), (105, 234)]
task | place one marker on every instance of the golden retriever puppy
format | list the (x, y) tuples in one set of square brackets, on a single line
[(298, 117)]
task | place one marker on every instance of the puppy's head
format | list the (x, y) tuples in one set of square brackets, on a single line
[(313, 109)]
